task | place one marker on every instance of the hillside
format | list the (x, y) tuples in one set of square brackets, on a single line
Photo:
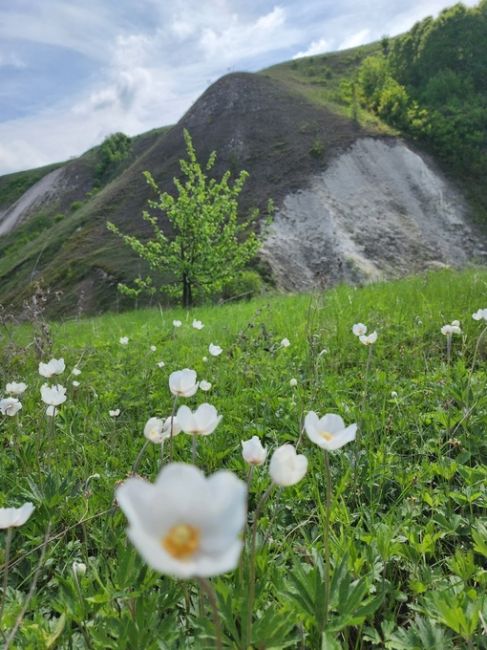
[(398, 519), (355, 200)]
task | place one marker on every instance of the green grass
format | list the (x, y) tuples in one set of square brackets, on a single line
[(320, 80), (408, 543)]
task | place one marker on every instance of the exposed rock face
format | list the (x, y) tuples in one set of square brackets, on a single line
[(378, 211), (42, 193)]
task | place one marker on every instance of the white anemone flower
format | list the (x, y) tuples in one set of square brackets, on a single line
[(53, 367), (285, 343), (201, 422), (205, 385), (359, 329), (286, 466), (153, 348), (10, 406), (14, 388), (177, 323), (75, 383), (182, 383), (328, 432), (253, 452), (368, 339), (13, 517), (215, 350), (197, 324), (76, 371), (453, 328), (157, 430), (114, 414), (79, 569), (53, 395), (480, 314), (124, 340), (293, 382), (160, 364), (186, 525)]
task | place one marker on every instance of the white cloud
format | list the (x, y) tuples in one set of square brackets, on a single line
[(316, 47), (238, 41), (11, 60), (356, 39), (145, 61)]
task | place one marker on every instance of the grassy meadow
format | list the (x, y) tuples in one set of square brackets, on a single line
[(407, 544)]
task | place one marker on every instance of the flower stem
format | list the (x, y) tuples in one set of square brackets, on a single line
[(171, 448), (8, 542), (364, 394), (162, 454), (253, 544), (194, 443), (32, 589), (84, 631), (448, 348), (474, 359), (207, 587), (136, 464), (327, 535)]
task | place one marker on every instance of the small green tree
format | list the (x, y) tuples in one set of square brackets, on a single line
[(208, 244)]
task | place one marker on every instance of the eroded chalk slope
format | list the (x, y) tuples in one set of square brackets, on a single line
[(378, 211)]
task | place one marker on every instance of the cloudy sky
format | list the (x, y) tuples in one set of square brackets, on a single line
[(74, 71)]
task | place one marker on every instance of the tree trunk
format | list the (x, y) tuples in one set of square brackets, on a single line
[(187, 293)]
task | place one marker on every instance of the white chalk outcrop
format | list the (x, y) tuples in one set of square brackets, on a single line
[(378, 211), (41, 193)]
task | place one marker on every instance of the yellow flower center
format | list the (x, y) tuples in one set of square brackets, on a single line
[(326, 435), (182, 541)]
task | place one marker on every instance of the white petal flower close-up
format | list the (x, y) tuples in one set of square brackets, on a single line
[(197, 324), (76, 371), (182, 383), (160, 364), (52, 367), (285, 343), (13, 517), (53, 395), (215, 350), (453, 328), (205, 385), (480, 314), (14, 388), (185, 524), (114, 414), (368, 339), (177, 323), (287, 467), (359, 329), (123, 340), (157, 430), (10, 406), (253, 452), (75, 383), (293, 382), (328, 432), (152, 348), (79, 569), (201, 422)]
